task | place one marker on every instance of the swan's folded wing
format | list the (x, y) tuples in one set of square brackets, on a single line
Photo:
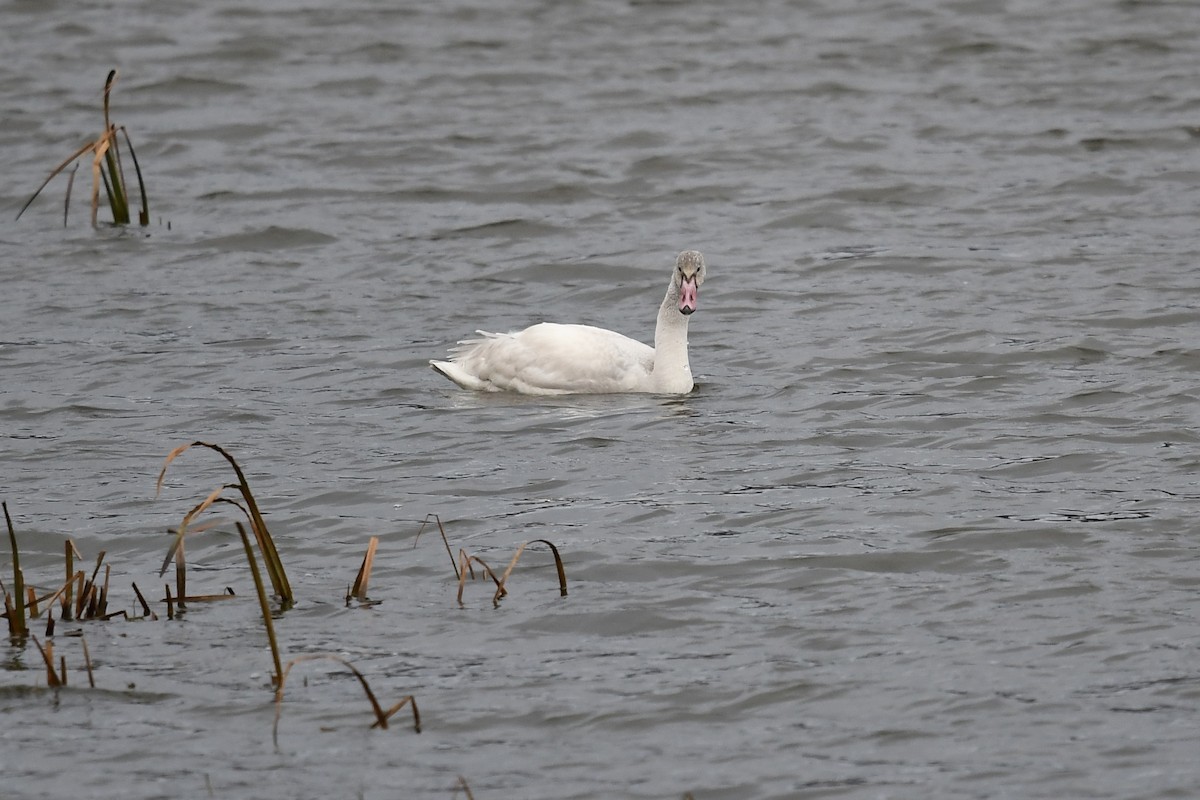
[(553, 359)]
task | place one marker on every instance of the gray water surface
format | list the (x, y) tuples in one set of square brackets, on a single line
[(926, 527)]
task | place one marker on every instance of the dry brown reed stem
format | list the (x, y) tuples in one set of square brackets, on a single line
[(464, 563), (445, 541), (264, 605), (10, 614), (52, 677), (88, 600), (67, 196), (17, 627), (271, 561), (462, 784), (381, 716), (177, 550), (186, 527), (60, 595), (146, 612), (31, 601), (87, 660), (228, 594), (81, 581), (104, 589), (408, 699), (181, 574), (69, 559), (562, 574), (359, 590)]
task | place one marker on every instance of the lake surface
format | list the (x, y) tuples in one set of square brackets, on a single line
[(925, 528)]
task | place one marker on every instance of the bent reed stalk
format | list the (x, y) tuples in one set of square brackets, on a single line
[(381, 716), (464, 567), (266, 545)]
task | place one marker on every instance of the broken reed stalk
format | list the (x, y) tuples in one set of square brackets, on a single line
[(66, 196), (181, 574), (445, 541), (87, 661), (17, 625), (271, 560), (146, 612), (359, 590), (80, 597), (59, 596), (69, 587), (501, 582), (88, 603), (264, 605), (381, 716), (464, 566), (177, 550), (103, 605), (228, 594), (408, 699), (52, 678), (107, 170), (69, 563), (462, 784), (58, 678), (562, 574)]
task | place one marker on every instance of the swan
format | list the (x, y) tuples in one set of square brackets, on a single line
[(552, 359)]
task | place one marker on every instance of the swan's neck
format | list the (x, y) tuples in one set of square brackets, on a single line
[(672, 373)]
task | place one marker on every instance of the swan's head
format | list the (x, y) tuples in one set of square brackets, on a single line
[(689, 274)]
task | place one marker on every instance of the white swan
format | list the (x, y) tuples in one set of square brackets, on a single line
[(550, 358)]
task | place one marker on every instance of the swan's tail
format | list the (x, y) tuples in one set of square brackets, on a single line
[(454, 368), (460, 376)]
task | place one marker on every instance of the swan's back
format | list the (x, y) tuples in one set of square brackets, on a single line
[(551, 358)]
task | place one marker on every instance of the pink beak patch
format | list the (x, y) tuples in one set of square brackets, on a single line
[(687, 295)]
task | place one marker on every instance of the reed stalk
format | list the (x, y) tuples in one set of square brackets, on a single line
[(501, 591), (69, 558), (18, 627), (52, 678), (359, 590), (271, 561), (87, 660), (445, 540), (462, 784), (146, 612), (107, 171), (381, 716), (264, 605), (464, 566)]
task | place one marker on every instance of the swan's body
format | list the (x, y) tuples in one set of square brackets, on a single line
[(550, 358)]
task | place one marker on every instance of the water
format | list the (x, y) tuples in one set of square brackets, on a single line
[(925, 527)]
